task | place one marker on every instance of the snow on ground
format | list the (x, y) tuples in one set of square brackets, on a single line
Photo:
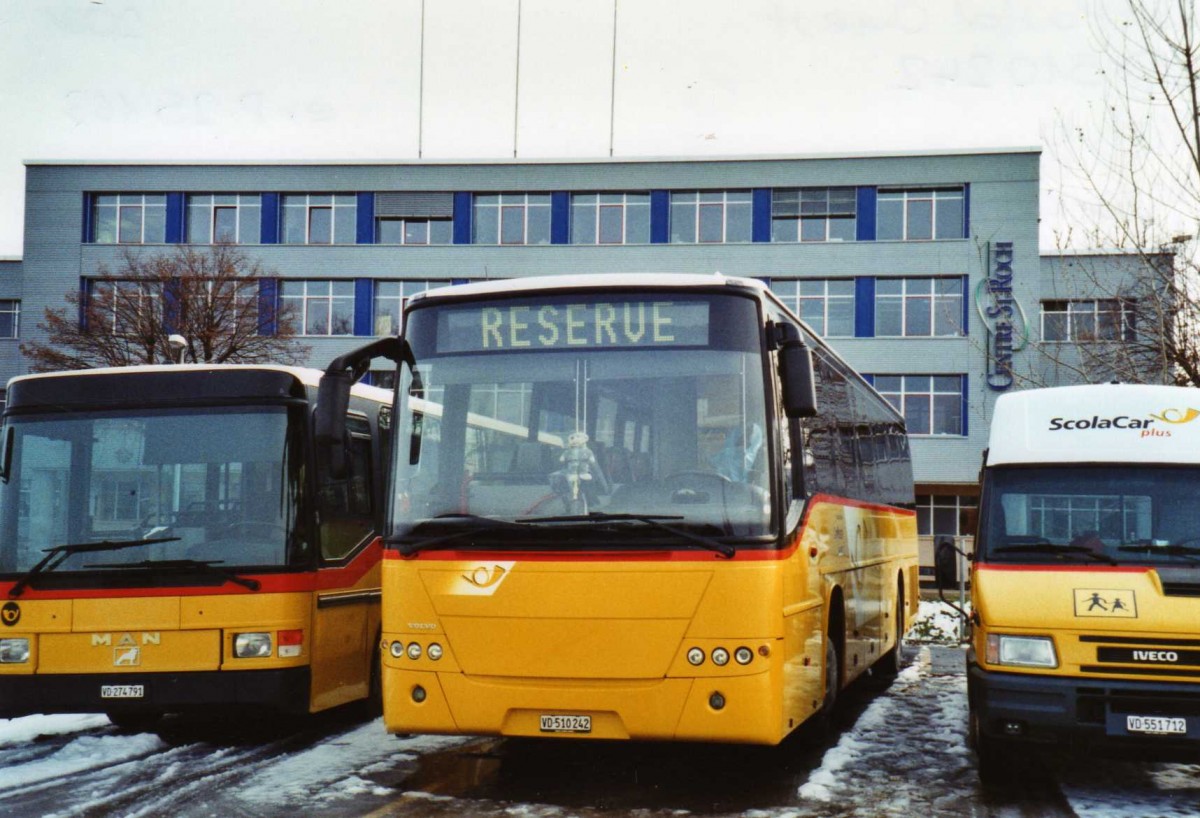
[(28, 728)]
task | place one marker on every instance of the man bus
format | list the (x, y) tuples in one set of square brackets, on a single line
[(170, 542), (634, 507), (1085, 584)]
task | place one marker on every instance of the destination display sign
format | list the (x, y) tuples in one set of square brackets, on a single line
[(558, 323)]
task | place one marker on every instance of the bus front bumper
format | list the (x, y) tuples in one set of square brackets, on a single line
[(285, 690), (1085, 713)]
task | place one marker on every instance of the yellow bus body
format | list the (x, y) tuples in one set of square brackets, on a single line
[(607, 635)]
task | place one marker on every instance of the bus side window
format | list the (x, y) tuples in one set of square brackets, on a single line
[(347, 506)]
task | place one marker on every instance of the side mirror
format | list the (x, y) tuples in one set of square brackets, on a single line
[(799, 383), (6, 452), (945, 564), (333, 400)]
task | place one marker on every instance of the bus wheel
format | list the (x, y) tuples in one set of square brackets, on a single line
[(892, 662), (135, 721), (833, 674), (994, 758)]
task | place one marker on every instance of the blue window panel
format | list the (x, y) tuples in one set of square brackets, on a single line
[(88, 236), (864, 307), (869, 379), (865, 230), (765, 280), (560, 217), (270, 227), (967, 300), (460, 281), (965, 393), (85, 289), (364, 298), (268, 293), (171, 306), (462, 218), (174, 218), (966, 212), (660, 216), (760, 229), (365, 228)]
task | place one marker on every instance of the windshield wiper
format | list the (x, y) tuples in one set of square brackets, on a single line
[(213, 567), (1047, 547), (58, 554), (483, 525), (656, 520), (1170, 549)]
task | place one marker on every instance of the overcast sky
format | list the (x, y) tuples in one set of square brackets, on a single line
[(275, 80)]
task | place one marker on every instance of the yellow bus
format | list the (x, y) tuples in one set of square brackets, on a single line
[(170, 542), (1085, 582), (635, 507)]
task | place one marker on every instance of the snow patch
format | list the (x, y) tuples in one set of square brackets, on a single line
[(82, 754), (28, 728)]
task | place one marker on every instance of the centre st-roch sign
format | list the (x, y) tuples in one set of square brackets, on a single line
[(554, 324), (1001, 313)]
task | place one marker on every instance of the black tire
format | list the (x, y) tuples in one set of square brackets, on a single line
[(135, 721), (823, 722), (892, 662), (994, 758)]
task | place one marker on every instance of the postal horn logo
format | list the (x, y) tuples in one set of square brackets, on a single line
[(1177, 415), (10, 614), (485, 576)]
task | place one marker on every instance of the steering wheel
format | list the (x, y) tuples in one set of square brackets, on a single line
[(689, 486)]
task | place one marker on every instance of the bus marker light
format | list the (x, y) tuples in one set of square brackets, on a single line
[(434, 652), (764, 650), (291, 643), (414, 651), (695, 656), (743, 656), (720, 657), (397, 649)]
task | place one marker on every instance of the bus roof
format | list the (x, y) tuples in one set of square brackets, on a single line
[(1099, 423), (522, 284), (303, 375)]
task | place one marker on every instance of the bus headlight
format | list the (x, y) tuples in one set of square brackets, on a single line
[(14, 651), (720, 657), (414, 651), (434, 651), (252, 645), (695, 656), (397, 649), (1021, 651), (743, 656)]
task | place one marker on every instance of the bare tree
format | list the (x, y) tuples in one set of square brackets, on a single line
[(209, 297), (1138, 167)]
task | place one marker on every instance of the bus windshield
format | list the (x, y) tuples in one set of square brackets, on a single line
[(675, 429), (1141, 515), (216, 485)]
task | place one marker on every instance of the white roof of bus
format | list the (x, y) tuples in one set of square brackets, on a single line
[(626, 280), (306, 375), (1102, 423)]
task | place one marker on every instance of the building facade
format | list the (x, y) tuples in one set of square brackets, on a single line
[(922, 269)]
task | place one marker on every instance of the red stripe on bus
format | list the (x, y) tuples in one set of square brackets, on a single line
[(1059, 568), (324, 579)]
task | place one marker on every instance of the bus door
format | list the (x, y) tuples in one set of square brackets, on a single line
[(347, 603)]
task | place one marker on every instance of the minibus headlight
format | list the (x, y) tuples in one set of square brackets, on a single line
[(1021, 651), (14, 651), (252, 645)]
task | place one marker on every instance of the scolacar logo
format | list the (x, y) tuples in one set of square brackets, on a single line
[(1177, 415)]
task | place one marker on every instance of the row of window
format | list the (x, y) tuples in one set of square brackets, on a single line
[(904, 308), (623, 217)]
